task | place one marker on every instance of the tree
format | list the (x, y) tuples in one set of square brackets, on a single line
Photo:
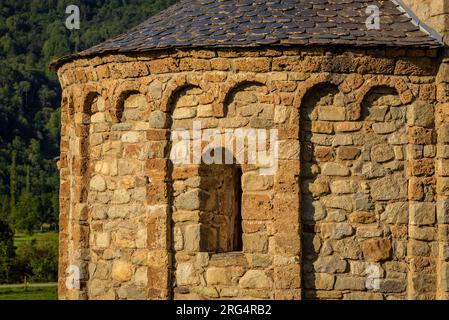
[(6, 250)]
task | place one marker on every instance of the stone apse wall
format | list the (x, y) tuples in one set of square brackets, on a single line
[(360, 194)]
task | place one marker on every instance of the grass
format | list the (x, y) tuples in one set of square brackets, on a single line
[(21, 238), (34, 293)]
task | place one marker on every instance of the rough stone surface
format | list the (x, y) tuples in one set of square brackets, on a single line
[(122, 271), (359, 189), (376, 250), (255, 279)]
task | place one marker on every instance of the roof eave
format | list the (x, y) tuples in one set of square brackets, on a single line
[(418, 22), (55, 65)]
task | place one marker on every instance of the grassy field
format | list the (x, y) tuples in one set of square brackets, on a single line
[(34, 293), (18, 292), (39, 237)]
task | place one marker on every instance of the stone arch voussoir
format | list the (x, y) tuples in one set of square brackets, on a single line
[(120, 93)]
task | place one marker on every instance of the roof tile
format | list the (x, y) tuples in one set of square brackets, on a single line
[(243, 23)]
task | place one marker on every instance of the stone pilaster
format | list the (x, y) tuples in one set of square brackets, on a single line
[(442, 183), (422, 245), (159, 220)]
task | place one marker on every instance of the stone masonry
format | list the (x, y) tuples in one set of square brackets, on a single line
[(358, 208)]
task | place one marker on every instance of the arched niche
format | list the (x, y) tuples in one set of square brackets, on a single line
[(131, 106), (321, 105), (244, 94), (248, 103), (353, 175), (183, 106), (382, 103)]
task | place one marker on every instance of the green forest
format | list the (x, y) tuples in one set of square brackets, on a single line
[(32, 34)]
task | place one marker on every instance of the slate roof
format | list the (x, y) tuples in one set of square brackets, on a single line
[(253, 23)]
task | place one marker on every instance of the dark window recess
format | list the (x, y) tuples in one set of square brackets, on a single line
[(238, 230), (221, 208)]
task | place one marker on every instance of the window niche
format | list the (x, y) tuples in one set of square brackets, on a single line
[(221, 217)]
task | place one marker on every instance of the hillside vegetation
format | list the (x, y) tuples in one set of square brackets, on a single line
[(33, 33)]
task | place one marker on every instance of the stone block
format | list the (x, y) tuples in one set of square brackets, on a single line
[(422, 213), (421, 114), (422, 233), (344, 202), (419, 135), (342, 140), (191, 200), (319, 281), (443, 134), (155, 89), (344, 186), (287, 277), (125, 238), (424, 283), (187, 100), (184, 113), (193, 238), (323, 153), (330, 264), (255, 279), (141, 277), (285, 244), (375, 250), (336, 231), (393, 285), (186, 275), (443, 151), (217, 276), (158, 120), (443, 210), (331, 113), (418, 248), (350, 283), (362, 217), (371, 170), (423, 167), (382, 153), (255, 243), (391, 187), (121, 197), (252, 64), (318, 187), (253, 181), (443, 168), (396, 213), (103, 240), (289, 150), (443, 186), (122, 271), (256, 206), (98, 183), (348, 126), (363, 296), (335, 169), (348, 153), (322, 127), (384, 127)]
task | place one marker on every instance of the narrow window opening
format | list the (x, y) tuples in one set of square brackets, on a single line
[(238, 230)]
